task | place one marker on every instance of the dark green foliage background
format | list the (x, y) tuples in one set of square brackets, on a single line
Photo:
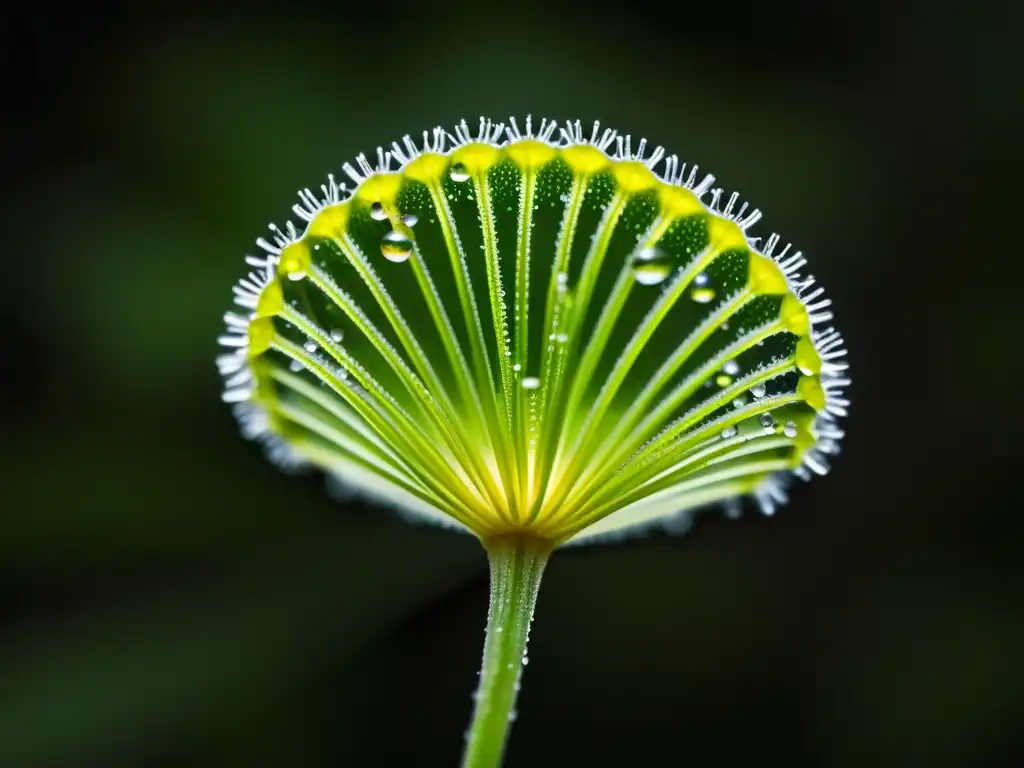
[(167, 598)]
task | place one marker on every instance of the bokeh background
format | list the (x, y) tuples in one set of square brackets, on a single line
[(167, 598)]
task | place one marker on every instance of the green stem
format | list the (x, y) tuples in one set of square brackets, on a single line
[(517, 564)]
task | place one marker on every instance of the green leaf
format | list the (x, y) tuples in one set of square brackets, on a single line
[(533, 330)]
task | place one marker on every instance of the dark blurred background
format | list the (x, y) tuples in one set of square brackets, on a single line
[(167, 598)]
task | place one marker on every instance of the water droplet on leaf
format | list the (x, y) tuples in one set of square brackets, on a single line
[(530, 382), (377, 212), (459, 172), (396, 247), (651, 266)]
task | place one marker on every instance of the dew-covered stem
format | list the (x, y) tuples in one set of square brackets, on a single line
[(516, 566)]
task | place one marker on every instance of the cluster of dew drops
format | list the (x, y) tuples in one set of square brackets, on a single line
[(757, 391), (652, 266), (395, 246), (335, 335)]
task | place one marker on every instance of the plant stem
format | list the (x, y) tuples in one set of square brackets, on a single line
[(517, 564)]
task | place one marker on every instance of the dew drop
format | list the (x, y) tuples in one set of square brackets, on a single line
[(701, 279), (337, 334), (377, 212), (295, 366), (530, 382), (702, 295), (722, 380), (562, 338), (517, 367), (651, 266), (757, 390), (731, 367), (767, 422), (459, 172), (739, 402), (396, 247), (410, 220), (790, 429), (310, 346), (730, 432)]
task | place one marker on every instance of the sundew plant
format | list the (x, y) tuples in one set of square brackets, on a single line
[(539, 336)]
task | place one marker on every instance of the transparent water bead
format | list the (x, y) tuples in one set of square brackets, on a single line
[(758, 390), (702, 295), (396, 247), (459, 173), (337, 334), (651, 266), (378, 213), (790, 429), (530, 382)]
